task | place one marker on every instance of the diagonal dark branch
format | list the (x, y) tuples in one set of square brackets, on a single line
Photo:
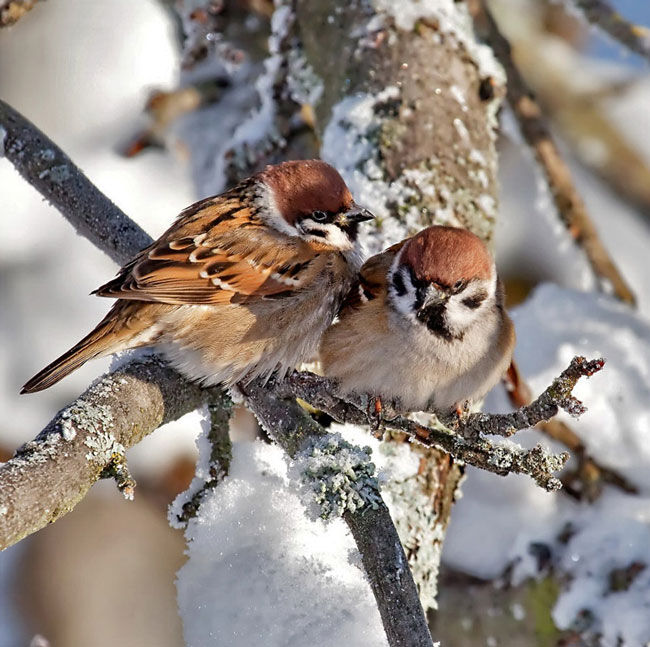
[(53, 174), (600, 13), (536, 132), (373, 530)]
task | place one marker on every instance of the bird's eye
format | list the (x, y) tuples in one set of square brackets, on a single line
[(459, 285), (319, 216)]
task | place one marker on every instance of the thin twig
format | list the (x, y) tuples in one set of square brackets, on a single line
[(220, 457), (586, 481), (537, 134), (464, 442), (600, 13)]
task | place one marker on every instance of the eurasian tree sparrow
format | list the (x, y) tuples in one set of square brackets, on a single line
[(241, 285), (425, 326)]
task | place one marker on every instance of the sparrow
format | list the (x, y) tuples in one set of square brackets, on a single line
[(241, 285), (424, 327)]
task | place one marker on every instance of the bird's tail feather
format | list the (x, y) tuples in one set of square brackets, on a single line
[(107, 337)]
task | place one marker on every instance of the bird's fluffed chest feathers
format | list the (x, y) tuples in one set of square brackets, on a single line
[(214, 344)]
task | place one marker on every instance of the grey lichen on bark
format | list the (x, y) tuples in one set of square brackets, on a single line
[(49, 475)]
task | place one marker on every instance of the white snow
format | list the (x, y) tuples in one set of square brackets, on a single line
[(553, 326), (260, 572)]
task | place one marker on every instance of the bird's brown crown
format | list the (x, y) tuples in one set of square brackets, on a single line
[(302, 186), (445, 255)]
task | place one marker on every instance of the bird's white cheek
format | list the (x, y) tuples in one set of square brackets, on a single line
[(459, 317)]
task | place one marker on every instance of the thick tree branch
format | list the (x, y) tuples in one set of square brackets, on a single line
[(537, 134), (49, 475), (600, 13)]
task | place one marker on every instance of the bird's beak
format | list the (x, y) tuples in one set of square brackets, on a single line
[(434, 298), (357, 214)]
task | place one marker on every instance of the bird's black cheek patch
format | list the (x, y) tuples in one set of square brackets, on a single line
[(433, 317), (474, 301), (398, 284)]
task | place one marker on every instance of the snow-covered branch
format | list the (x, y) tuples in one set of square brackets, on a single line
[(372, 527), (568, 202)]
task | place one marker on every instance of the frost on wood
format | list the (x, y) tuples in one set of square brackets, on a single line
[(339, 477), (412, 502), (215, 453), (411, 134)]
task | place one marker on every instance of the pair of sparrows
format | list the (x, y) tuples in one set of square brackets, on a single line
[(249, 282)]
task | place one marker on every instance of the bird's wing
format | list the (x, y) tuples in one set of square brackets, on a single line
[(218, 251), (372, 278)]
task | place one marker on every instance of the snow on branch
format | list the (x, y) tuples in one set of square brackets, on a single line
[(568, 202), (371, 525), (600, 13)]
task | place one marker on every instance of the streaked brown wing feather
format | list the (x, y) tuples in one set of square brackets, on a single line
[(372, 278), (217, 252)]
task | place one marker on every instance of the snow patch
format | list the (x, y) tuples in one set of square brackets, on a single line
[(259, 571), (451, 18)]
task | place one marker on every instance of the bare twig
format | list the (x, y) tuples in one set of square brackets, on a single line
[(568, 201), (557, 396), (220, 456), (586, 481), (598, 12), (464, 442), (49, 170)]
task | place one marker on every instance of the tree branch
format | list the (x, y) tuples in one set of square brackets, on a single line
[(49, 475), (600, 13), (568, 202), (53, 174), (464, 441)]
